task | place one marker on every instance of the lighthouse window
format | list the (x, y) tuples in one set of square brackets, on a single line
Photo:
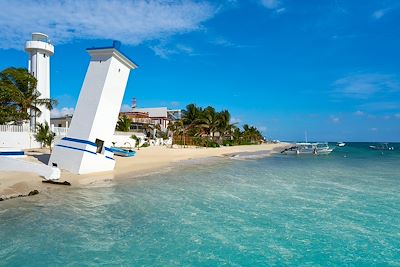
[(44, 55), (100, 145)]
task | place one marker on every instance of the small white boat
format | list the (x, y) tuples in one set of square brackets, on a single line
[(308, 149), (384, 146), (341, 144)]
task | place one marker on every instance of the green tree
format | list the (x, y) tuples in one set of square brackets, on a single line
[(19, 99), (177, 128), (124, 124), (191, 114), (44, 135), (225, 127), (209, 121), (137, 140), (251, 134)]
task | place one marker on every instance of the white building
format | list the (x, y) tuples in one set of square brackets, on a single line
[(86, 148), (162, 115), (40, 50)]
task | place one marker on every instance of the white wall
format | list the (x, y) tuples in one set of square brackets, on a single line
[(23, 137), (123, 139), (22, 140), (153, 112)]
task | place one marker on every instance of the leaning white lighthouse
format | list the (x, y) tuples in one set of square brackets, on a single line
[(40, 50), (86, 148)]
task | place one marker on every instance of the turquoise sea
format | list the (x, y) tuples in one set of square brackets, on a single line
[(341, 209)]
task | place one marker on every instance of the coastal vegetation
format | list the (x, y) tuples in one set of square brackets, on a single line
[(198, 127), (210, 128), (123, 124), (19, 99), (44, 135)]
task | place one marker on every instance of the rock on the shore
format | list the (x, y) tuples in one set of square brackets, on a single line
[(33, 192)]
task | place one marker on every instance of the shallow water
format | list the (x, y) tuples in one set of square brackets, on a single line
[(341, 209)]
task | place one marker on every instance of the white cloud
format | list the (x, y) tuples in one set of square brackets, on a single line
[(223, 42), (131, 22), (374, 129), (363, 86), (263, 129), (57, 113), (379, 13), (235, 120), (280, 10), (174, 104), (359, 113), (335, 119), (164, 51), (382, 105), (271, 4)]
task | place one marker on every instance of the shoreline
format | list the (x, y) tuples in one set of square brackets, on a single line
[(147, 161)]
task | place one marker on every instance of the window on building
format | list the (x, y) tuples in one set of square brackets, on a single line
[(99, 145)]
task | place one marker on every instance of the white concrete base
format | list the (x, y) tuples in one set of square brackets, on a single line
[(19, 165)]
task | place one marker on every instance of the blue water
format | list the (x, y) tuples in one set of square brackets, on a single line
[(341, 209)]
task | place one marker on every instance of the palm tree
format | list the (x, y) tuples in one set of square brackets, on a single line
[(124, 124), (225, 126), (237, 135), (177, 128), (44, 135), (191, 114), (251, 134), (21, 88), (209, 121)]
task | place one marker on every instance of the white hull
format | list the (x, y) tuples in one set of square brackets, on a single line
[(308, 149)]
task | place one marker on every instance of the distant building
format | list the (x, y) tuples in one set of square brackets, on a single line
[(61, 121), (154, 116)]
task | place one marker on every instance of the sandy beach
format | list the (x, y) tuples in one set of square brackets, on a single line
[(147, 160)]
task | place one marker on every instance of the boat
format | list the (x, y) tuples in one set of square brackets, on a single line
[(308, 149), (340, 144), (383, 146), (122, 152)]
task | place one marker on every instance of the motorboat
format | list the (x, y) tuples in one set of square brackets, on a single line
[(122, 152), (308, 149), (341, 144), (383, 146)]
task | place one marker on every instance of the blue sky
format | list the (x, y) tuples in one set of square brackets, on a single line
[(331, 68)]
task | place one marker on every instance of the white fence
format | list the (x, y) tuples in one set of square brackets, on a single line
[(23, 136), (60, 131), (16, 128)]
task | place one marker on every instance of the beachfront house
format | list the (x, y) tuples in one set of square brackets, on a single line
[(159, 117)]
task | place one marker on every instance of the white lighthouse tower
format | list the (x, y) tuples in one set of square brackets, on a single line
[(86, 148), (40, 50)]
